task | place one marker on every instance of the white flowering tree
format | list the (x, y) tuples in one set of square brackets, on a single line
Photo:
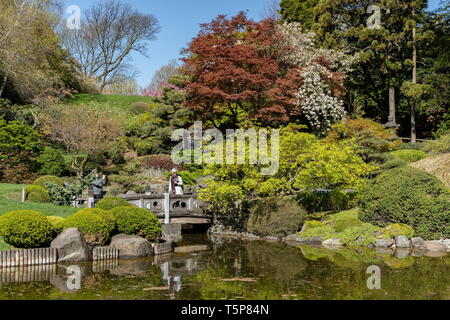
[(322, 72)]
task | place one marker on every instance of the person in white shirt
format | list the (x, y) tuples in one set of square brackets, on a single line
[(175, 183)]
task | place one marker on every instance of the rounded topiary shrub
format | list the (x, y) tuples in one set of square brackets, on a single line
[(409, 156), (277, 217), (95, 224), (57, 223), (111, 203), (42, 180), (37, 194), (408, 196), (137, 221), (26, 229)]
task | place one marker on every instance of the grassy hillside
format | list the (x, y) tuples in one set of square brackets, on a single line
[(109, 102)]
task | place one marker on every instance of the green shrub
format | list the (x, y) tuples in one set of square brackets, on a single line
[(26, 229), (313, 229), (44, 179), (117, 152), (57, 223), (409, 196), (37, 194), (145, 147), (111, 203), (396, 229), (137, 221), (409, 156), (361, 235), (276, 217), (95, 224), (51, 162)]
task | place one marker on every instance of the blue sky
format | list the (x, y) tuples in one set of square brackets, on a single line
[(179, 20)]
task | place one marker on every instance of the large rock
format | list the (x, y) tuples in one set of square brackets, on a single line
[(434, 246), (332, 243), (417, 242), (71, 246), (314, 240), (402, 242), (131, 246), (384, 243)]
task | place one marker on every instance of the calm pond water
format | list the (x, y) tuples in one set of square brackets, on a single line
[(236, 269)]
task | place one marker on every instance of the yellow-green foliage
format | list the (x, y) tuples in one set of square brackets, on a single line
[(111, 203), (344, 220), (396, 229), (137, 221), (57, 223), (26, 229), (96, 225), (362, 235), (305, 163), (370, 136), (313, 229), (409, 156), (344, 225), (37, 194), (221, 196)]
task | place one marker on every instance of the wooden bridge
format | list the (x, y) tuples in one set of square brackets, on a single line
[(170, 209)]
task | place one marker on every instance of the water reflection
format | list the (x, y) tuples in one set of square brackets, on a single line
[(222, 268)]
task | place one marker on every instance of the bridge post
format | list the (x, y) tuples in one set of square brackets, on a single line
[(91, 200), (166, 208)]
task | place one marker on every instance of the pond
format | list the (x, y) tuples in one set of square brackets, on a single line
[(222, 268)]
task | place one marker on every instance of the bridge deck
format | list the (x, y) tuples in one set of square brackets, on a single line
[(184, 209)]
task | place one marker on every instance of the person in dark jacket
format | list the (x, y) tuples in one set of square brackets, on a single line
[(97, 186)]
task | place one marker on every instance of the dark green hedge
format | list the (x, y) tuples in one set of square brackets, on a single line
[(276, 217), (409, 196)]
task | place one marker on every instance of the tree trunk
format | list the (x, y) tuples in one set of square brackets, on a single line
[(79, 168), (414, 81), (392, 119), (2, 87)]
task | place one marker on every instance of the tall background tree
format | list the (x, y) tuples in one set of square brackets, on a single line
[(384, 48), (31, 58), (110, 31)]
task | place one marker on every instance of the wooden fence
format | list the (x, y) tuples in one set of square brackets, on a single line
[(29, 257)]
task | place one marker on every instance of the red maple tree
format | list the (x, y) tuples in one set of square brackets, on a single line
[(236, 73)]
